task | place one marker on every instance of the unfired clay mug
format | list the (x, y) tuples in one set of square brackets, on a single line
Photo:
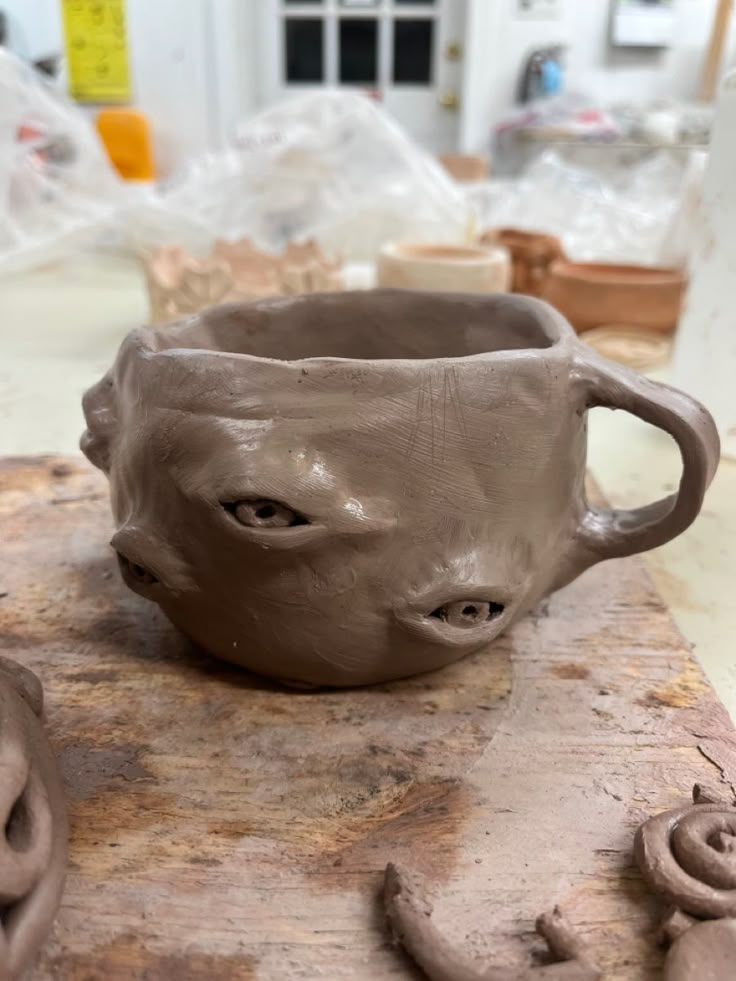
[(352, 487)]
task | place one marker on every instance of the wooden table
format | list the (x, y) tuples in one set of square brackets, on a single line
[(223, 828)]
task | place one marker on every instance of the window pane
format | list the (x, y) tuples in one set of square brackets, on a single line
[(302, 2), (408, 3), (304, 49), (358, 51), (413, 51)]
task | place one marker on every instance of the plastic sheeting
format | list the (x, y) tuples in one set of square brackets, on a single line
[(326, 165), (641, 214), (57, 189)]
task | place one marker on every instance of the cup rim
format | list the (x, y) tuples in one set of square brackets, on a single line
[(442, 253), (617, 274), (512, 235), (152, 344)]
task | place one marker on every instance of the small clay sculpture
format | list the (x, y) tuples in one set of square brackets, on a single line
[(345, 488), (34, 845), (688, 856), (409, 913), (532, 253)]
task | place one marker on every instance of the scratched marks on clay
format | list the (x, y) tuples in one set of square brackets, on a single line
[(439, 412)]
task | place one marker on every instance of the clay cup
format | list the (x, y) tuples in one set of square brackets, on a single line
[(345, 488)]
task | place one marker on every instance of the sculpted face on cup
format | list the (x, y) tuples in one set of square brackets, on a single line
[(347, 488), (342, 554)]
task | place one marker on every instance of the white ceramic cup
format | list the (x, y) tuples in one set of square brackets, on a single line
[(456, 268)]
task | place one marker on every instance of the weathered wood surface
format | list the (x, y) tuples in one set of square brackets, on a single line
[(222, 828)]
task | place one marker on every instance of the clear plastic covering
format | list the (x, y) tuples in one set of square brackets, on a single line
[(639, 214), (330, 166), (57, 189)]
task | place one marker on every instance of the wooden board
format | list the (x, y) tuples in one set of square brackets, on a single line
[(222, 828)]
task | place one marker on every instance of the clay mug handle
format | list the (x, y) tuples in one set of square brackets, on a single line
[(611, 534)]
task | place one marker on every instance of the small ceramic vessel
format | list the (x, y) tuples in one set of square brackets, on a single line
[(532, 253), (460, 268), (643, 350), (466, 168), (597, 294)]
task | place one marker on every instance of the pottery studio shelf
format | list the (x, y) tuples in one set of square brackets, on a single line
[(224, 828)]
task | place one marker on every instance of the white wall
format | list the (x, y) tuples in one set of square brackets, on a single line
[(705, 352), (193, 71), (614, 73), (34, 27), (496, 43), (498, 40)]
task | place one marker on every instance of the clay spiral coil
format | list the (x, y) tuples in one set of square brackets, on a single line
[(34, 839), (688, 856)]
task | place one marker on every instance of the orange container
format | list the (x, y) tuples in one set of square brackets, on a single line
[(126, 134)]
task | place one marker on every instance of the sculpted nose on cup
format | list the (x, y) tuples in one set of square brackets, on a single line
[(131, 549), (145, 562), (148, 563), (134, 571)]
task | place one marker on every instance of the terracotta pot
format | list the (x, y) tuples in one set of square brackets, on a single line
[(596, 294), (460, 268), (532, 253), (350, 487)]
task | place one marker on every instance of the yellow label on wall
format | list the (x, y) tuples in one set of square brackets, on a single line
[(96, 50)]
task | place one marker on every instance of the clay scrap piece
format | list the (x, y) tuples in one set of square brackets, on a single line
[(180, 284), (409, 913), (34, 844), (688, 856)]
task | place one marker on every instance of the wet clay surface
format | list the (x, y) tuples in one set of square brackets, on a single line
[(225, 828)]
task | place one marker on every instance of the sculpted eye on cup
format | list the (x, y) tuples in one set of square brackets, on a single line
[(264, 514), (344, 488)]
